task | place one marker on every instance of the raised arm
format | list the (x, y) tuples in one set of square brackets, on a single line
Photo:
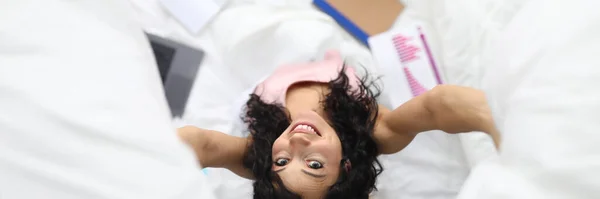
[(216, 149), (453, 109), (396, 129)]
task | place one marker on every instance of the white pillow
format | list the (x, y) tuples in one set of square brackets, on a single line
[(82, 111)]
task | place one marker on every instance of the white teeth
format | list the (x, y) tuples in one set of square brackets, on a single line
[(304, 127)]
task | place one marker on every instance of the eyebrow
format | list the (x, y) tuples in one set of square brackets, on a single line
[(305, 172), (312, 174), (277, 171)]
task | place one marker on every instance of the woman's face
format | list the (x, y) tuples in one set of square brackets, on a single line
[(307, 155)]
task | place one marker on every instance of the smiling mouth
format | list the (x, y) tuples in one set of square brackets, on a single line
[(305, 128)]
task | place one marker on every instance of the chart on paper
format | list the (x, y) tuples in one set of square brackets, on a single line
[(406, 60)]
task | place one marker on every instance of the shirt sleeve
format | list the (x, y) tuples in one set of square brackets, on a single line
[(82, 111), (542, 84)]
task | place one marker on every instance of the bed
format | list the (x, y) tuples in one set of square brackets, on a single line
[(72, 127), (248, 39)]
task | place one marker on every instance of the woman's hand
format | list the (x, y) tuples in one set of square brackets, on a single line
[(453, 109), (390, 141), (216, 149), (204, 142), (458, 109)]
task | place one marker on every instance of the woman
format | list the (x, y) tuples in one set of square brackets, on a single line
[(316, 131)]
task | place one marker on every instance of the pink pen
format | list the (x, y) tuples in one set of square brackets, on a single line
[(430, 56)]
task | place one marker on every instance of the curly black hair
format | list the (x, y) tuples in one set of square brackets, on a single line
[(352, 113)]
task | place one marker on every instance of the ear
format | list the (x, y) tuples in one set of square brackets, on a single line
[(346, 165)]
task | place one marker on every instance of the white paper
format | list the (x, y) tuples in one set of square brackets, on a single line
[(398, 51), (192, 14)]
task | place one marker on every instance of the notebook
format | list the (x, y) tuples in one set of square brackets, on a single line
[(362, 18)]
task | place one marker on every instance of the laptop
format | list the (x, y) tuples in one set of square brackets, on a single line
[(178, 65)]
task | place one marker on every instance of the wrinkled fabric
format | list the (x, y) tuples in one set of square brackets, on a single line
[(540, 80), (82, 109)]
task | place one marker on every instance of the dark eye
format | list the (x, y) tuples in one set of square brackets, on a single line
[(315, 165), (281, 162)]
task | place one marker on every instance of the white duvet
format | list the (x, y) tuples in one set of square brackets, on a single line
[(248, 40), (69, 128)]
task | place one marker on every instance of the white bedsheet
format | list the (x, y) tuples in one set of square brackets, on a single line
[(542, 80), (82, 110), (247, 40)]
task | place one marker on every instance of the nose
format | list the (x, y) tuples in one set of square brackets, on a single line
[(315, 113), (299, 140)]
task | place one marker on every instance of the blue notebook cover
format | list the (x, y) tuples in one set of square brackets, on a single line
[(348, 25)]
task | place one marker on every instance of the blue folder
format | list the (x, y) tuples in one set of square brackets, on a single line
[(348, 25)]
